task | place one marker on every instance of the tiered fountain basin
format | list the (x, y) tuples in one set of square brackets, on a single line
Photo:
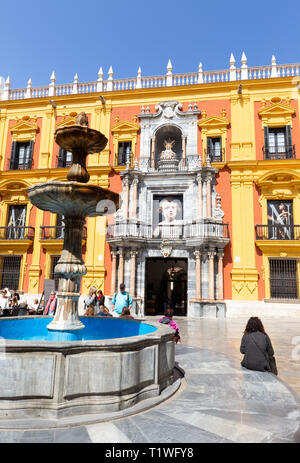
[(110, 365)]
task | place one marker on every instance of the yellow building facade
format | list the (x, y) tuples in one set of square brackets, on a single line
[(248, 128)]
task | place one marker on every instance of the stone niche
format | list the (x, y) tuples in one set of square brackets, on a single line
[(50, 380)]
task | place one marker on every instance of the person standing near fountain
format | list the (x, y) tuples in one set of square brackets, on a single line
[(91, 304), (4, 304), (120, 300), (51, 304)]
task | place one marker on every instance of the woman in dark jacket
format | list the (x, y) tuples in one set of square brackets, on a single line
[(256, 346)]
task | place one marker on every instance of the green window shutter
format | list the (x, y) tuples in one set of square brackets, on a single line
[(288, 141), (120, 154), (266, 140), (13, 156), (60, 161), (209, 147), (29, 159)]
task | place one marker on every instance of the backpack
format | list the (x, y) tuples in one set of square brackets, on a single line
[(127, 299), (165, 320)]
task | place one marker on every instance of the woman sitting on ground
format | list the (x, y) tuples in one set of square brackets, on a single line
[(167, 320), (256, 346)]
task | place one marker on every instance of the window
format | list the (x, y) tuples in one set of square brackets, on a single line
[(124, 152), (65, 158), (21, 155), (10, 271), (283, 278), (16, 222), (278, 143), (60, 227), (214, 148)]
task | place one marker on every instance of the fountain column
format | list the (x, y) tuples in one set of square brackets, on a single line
[(70, 269), (126, 199)]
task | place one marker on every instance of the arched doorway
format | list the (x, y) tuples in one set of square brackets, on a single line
[(166, 283)]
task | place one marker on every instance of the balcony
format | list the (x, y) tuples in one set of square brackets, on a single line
[(215, 155), (287, 152), (56, 232), (21, 166), (206, 230), (17, 233), (277, 232)]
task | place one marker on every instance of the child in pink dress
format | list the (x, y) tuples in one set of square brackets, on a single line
[(167, 320)]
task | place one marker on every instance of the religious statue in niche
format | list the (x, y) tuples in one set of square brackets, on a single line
[(167, 216), (168, 153), (168, 158), (280, 220)]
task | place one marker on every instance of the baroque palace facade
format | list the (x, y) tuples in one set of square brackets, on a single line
[(207, 165)]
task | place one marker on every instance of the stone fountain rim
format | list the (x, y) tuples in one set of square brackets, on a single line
[(162, 331), (70, 184)]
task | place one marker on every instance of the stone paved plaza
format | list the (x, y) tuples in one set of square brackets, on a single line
[(218, 401)]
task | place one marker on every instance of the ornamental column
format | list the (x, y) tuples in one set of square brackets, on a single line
[(211, 275), (208, 196), (121, 267), (134, 196), (220, 274), (152, 158), (133, 255), (198, 274), (183, 138), (126, 197), (200, 209), (113, 272)]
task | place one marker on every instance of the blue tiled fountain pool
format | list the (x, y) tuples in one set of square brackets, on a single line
[(35, 329)]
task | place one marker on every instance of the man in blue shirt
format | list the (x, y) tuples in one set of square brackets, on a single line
[(120, 300)]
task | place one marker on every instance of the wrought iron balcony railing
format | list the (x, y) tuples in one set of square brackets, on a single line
[(287, 152), (17, 233), (128, 229), (21, 166), (56, 232), (277, 232), (217, 155)]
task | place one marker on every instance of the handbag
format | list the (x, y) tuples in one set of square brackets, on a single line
[(270, 358)]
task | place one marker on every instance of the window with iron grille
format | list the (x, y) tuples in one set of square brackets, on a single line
[(124, 152), (21, 155), (10, 271), (278, 143), (283, 278), (65, 158), (16, 222), (214, 148), (54, 260)]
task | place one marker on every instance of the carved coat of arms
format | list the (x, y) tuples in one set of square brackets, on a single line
[(166, 248)]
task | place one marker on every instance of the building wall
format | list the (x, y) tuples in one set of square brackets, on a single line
[(245, 180)]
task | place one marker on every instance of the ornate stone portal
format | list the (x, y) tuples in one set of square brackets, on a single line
[(170, 213), (75, 200)]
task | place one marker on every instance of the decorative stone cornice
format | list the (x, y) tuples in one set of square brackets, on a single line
[(276, 114), (24, 131)]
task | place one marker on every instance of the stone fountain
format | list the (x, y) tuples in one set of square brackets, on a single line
[(75, 370), (75, 200)]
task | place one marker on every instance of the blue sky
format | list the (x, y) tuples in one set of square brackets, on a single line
[(79, 36)]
